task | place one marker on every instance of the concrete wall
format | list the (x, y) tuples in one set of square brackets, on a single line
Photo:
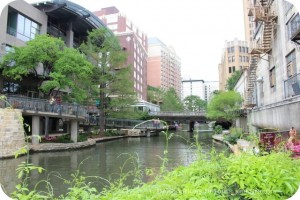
[(11, 132), (280, 116)]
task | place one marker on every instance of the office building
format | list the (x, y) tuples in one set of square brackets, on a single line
[(234, 57), (133, 41), (164, 66)]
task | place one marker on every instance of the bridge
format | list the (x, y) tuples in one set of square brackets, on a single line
[(185, 116)]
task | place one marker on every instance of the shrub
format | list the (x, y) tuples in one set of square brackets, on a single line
[(235, 134), (111, 132), (218, 129)]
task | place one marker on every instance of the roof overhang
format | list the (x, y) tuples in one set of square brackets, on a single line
[(65, 14)]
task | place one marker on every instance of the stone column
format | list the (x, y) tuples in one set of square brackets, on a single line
[(74, 130), (46, 126), (70, 36), (35, 129), (11, 132)]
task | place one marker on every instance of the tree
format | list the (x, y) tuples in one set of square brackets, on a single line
[(231, 81), (225, 105), (170, 101), (116, 91), (52, 64), (194, 103), (155, 95)]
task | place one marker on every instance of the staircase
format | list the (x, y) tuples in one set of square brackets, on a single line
[(263, 13), (251, 81)]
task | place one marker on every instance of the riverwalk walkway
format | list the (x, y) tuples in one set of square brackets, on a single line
[(52, 146)]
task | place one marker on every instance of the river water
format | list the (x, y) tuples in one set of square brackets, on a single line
[(110, 159)]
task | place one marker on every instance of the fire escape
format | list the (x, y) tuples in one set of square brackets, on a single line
[(264, 17)]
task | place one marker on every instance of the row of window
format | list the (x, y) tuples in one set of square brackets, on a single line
[(21, 27), (241, 49)]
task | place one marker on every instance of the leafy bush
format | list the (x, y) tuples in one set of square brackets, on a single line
[(218, 129), (67, 138), (111, 132), (274, 176), (235, 134)]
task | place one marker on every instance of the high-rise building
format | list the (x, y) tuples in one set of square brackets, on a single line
[(193, 87), (133, 41), (210, 87), (164, 66), (234, 57)]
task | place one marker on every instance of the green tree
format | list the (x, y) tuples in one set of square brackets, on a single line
[(155, 95), (52, 64), (170, 101), (116, 91), (231, 81), (225, 105), (194, 103)]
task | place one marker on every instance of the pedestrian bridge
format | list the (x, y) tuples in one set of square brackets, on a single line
[(183, 116)]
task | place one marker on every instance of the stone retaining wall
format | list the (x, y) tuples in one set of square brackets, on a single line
[(11, 132)]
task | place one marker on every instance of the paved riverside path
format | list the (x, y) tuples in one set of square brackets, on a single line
[(52, 146)]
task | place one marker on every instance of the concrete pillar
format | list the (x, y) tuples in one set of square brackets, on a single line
[(70, 36), (46, 126), (35, 129), (74, 130)]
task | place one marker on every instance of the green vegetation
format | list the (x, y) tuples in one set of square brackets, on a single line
[(218, 129), (224, 105), (234, 135), (171, 101), (52, 65), (194, 103), (273, 176), (231, 81)]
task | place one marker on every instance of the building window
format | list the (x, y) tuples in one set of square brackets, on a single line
[(229, 70), (272, 77), (293, 26), (21, 27), (291, 64), (233, 69)]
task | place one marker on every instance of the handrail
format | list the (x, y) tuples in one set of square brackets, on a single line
[(42, 105)]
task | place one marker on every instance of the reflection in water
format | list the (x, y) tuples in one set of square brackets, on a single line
[(108, 158)]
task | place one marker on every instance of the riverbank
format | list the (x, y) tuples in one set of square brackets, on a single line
[(242, 145)]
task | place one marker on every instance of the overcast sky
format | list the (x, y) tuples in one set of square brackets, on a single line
[(196, 29)]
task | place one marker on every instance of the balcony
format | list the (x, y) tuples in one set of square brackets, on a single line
[(42, 106), (264, 13), (292, 86), (295, 29)]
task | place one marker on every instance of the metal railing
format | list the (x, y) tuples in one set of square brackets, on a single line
[(42, 105), (292, 86), (184, 113)]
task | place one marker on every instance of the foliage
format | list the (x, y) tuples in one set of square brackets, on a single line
[(171, 101), (225, 105), (155, 95), (236, 177), (66, 138), (111, 132), (232, 80), (218, 129), (234, 135), (194, 103), (112, 78), (49, 61)]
